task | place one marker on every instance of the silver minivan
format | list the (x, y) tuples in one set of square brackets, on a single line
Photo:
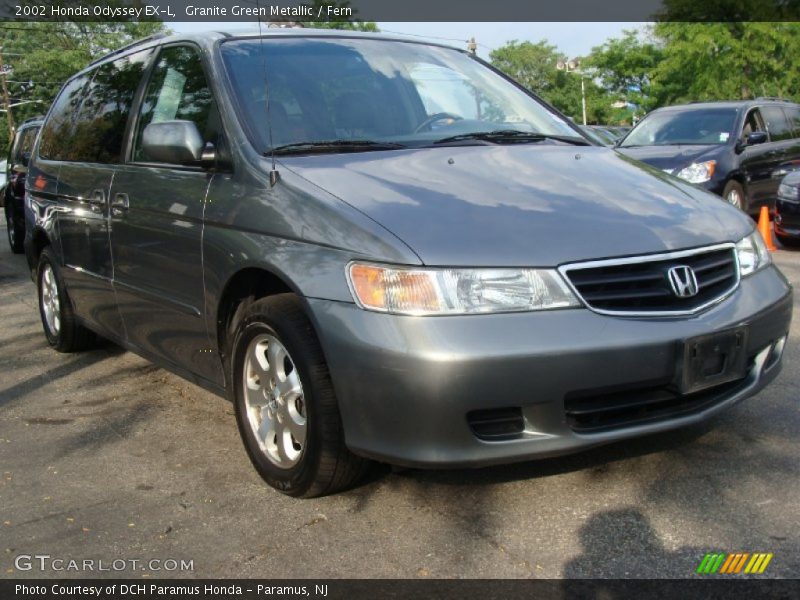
[(385, 249)]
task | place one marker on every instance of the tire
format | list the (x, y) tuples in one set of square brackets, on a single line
[(62, 329), (734, 195), (286, 409), (16, 234)]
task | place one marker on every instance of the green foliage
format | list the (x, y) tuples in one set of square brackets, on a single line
[(624, 67), (718, 61), (49, 53), (668, 63), (534, 66)]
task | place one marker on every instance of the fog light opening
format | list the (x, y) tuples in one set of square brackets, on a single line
[(775, 354)]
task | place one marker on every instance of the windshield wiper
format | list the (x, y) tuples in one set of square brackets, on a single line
[(512, 135), (334, 146)]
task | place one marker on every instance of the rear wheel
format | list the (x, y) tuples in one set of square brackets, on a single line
[(63, 331), (285, 405), (734, 195), (16, 234)]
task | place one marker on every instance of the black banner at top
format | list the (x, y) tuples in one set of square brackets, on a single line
[(401, 10)]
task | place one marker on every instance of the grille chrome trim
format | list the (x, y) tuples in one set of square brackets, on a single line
[(645, 258)]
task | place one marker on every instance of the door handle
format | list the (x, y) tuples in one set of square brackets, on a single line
[(119, 204), (97, 200)]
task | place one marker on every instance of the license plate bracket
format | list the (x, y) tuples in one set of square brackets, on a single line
[(713, 359)]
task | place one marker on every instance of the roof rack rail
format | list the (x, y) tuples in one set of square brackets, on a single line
[(149, 38), (774, 98)]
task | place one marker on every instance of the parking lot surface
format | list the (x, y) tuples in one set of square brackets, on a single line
[(107, 457)]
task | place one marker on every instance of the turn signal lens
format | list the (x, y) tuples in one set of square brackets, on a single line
[(421, 291)]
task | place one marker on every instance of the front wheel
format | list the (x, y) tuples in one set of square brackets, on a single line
[(734, 195), (284, 401)]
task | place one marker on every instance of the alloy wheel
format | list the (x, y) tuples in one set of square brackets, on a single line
[(51, 304), (734, 198), (274, 401)]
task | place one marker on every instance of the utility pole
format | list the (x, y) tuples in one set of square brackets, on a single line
[(583, 99), (6, 100), (573, 66)]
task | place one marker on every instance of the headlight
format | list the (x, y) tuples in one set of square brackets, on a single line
[(753, 254), (698, 172), (423, 291), (788, 192)]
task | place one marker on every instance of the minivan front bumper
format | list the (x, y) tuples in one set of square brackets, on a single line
[(406, 385)]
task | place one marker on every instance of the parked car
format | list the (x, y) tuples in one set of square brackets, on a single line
[(598, 135), (14, 192), (737, 150), (403, 255), (787, 210)]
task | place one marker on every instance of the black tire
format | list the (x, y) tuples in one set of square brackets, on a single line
[(16, 234), (325, 465), (732, 190), (69, 335)]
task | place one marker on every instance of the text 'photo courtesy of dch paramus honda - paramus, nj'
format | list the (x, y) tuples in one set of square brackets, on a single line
[(387, 250)]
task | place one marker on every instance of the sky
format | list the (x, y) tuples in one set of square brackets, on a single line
[(574, 39)]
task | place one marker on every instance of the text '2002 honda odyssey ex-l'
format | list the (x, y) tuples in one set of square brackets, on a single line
[(383, 249)]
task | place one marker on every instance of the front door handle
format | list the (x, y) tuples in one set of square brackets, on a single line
[(97, 201), (119, 204)]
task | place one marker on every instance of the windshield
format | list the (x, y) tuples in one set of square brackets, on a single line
[(398, 93), (697, 126)]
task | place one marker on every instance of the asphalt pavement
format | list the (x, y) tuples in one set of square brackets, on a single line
[(105, 457)]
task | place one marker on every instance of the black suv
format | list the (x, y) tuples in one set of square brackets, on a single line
[(18, 156), (737, 150)]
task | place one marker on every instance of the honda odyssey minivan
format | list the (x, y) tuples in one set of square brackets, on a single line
[(385, 249)]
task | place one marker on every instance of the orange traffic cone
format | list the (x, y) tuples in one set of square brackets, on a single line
[(765, 228)]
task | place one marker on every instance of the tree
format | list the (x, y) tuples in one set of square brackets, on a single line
[(625, 67), (727, 61), (43, 55), (534, 66)]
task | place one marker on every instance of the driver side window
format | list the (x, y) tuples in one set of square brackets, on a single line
[(752, 124)]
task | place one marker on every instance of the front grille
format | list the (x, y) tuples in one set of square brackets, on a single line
[(496, 424), (640, 285), (598, 410)]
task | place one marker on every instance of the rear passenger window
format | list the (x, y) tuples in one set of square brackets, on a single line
[(777, 124), (57, 130), (178, 90), (794, 116), (101, 120)]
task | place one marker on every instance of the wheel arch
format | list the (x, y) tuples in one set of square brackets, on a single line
[(243, 287)]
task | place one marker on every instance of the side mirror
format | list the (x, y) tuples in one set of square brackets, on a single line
[(757, 137), (175, 142)]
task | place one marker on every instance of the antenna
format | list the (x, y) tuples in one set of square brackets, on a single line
[(273, 174)]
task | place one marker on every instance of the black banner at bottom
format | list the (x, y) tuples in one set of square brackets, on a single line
[(347, 589)]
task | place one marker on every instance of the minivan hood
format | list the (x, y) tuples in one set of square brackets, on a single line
[(673, 156), (522, 205)]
